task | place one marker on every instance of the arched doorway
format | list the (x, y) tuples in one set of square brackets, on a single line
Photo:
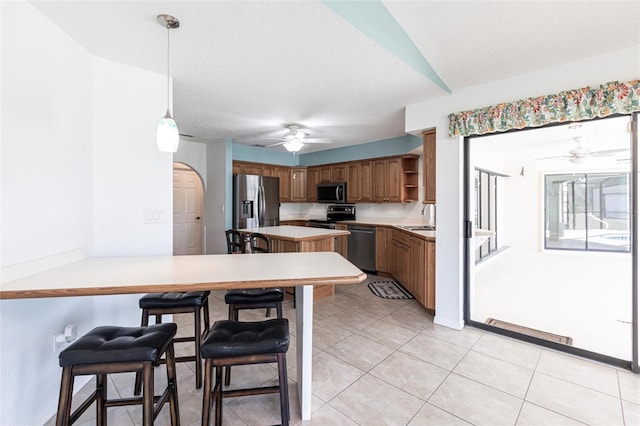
[(188, 196)]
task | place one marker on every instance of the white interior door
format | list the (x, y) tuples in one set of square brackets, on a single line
[(188, 195)]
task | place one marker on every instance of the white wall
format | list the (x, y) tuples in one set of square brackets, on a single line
[(217, 208), (620, 65), (58, 158)]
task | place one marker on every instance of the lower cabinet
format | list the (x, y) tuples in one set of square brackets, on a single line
[(382, 255), (341, 242), (411, 261)]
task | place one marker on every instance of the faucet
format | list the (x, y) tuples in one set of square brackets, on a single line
[(423, 209)]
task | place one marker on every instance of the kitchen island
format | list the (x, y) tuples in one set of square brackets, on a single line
[(287, 239), (131, 275)]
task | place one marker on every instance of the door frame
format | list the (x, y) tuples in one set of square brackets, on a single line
[(468, 255)]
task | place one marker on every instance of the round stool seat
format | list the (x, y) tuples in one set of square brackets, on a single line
[(173, 300), (111, 344), (253, 296), (235, 339)]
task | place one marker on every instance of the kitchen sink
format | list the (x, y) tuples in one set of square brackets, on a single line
[(418, 227)]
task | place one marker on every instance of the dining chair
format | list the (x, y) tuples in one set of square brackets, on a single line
[(235, 242)]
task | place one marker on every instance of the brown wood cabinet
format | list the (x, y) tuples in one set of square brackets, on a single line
[(411, 261), (429, 165), (430, 296), (298, 184), (313, 179), (410, 185), (387, 177), (270, 170), (284, 173), (325, 174), (339, 173), (400, 258), (359, 183), (418, 261), (247, 168), (341, 242), (382, 244)]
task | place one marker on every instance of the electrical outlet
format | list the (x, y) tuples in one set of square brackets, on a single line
[(58, 342)]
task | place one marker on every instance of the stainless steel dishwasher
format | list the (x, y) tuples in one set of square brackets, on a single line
[(361, 247)]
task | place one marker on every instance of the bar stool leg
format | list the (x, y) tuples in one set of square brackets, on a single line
[(206, 394), (138, 384), (174, 406), (64, 402), (284, 389), (101, 396), (147, 394), (198, 336), (217, 393)]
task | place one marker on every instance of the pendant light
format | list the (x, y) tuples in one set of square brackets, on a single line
[(167, 135)]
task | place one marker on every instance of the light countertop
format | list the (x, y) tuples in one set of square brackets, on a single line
[(130, 275), (296, 233)]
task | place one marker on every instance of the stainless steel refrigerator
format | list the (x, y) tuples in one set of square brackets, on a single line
[(256, 201)]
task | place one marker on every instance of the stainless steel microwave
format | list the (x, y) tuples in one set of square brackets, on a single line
[(334, 192)]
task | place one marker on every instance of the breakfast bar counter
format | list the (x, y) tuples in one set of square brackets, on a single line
[(131, 275)]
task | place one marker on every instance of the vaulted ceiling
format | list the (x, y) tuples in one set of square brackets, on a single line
[(246, 69)]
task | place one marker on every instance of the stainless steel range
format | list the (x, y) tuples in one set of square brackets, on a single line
[(335, 213)]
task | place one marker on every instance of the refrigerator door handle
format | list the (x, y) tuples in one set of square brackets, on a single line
[(261, 204)]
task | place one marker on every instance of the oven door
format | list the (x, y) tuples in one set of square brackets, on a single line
[(321, 224)]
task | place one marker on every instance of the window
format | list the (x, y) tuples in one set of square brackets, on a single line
[(588, 211), (488, 193)]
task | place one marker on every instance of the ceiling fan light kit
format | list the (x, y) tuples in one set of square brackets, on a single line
[(295, 139), (293, 146), (167, 134)]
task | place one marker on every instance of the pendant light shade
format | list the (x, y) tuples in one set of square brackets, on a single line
[(167, 135)]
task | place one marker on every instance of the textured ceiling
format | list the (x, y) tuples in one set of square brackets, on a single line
[(244, 70)]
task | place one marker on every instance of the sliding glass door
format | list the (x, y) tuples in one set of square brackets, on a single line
[(551, 223)]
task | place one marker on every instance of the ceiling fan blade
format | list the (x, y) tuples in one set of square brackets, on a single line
[(274, 144), (557, 157), (316, 140), (607, 152)]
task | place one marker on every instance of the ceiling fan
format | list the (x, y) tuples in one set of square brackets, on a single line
[(580, 153), (294, 139)]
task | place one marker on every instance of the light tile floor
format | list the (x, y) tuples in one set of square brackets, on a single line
[(384, 362)]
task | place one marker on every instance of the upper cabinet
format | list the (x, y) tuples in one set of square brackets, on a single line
[(395, 179), (284, 173), (299, 184), (359, 184), (339, 173), (429, 165), (313, 179), (388, 179)]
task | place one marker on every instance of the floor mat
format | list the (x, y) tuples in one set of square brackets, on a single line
[(530, 331), (389, 289)]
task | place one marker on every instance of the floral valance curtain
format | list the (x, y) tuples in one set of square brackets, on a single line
[(571, 105)]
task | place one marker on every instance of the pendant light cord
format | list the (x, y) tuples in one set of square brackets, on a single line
[(168, 48)]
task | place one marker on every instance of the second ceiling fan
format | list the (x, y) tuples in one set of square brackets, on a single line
[(295, 139)]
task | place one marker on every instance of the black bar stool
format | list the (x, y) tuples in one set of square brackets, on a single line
[(242, 343), (258, 298), (178, 303), (106, 350)]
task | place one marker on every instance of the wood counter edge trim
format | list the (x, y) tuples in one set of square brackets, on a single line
[(401, 229), (164, 288), (335, 233)]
